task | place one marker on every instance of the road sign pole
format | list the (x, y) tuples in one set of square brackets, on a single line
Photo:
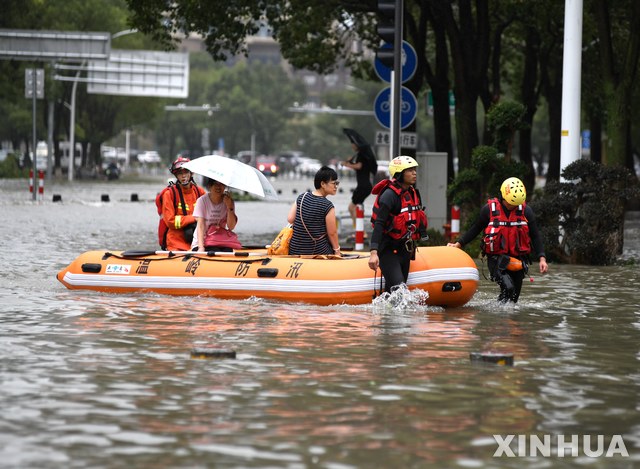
[(396, 80), (34, 92), (34, 89), (72, 127), (394, 117)]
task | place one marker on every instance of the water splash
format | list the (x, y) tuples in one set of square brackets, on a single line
[(401, 299)]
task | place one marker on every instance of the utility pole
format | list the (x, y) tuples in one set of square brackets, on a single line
[(571, 84)]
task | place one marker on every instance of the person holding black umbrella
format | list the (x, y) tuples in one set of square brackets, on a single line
[(363, 162)]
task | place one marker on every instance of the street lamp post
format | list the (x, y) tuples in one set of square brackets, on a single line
[(72, 126)]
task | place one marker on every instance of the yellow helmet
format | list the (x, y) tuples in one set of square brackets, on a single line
[(513, 191), (400, 163)]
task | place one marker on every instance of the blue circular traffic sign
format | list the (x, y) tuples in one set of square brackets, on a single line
[(408, 110), (409, 63)]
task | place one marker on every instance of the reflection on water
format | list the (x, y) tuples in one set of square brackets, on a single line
[(100, 380)]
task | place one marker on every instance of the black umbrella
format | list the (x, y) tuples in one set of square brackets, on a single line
[(364, 147), (355, 138)]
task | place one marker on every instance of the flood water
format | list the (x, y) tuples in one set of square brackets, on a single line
[(107, 381)]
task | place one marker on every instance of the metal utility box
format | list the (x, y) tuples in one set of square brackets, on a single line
[(432, 184)]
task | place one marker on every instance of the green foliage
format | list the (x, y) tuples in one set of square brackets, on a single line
[(582, 221), (472, 186), (314, 35), (9, 168), (21, 14), (464, 190), (254, 99), (504, 119)]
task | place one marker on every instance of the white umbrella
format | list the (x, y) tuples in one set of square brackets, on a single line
[(233, 173)]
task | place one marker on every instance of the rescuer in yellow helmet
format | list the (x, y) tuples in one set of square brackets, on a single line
[(398, 220), (510, 237)]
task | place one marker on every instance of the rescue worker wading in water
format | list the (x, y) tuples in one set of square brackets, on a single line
[(510, 233), (178, 202), (399, 221)]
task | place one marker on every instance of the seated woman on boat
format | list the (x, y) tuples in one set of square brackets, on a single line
[(314, 217), (216, 218)]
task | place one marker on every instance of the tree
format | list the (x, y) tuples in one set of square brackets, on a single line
[(543, 58), (15, 110), (577, 208), (254, 100), (504, 119), (468, 33), (618, 44), (426, 31), (313, 34)]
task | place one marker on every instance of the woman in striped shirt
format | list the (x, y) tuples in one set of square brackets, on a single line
[(314, 217)]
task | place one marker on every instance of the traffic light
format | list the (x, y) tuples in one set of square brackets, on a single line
[(386, 30), (386, 20)]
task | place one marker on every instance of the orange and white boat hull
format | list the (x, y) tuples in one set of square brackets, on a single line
[(448, 275)]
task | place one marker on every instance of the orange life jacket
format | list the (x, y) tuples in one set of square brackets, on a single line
[(411, 221), (507, 231)]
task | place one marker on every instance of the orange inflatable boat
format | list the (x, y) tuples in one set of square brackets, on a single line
[(449, 275)]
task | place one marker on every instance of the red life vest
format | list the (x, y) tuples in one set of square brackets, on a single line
[(411, 221), (162, 226), (507, 232)]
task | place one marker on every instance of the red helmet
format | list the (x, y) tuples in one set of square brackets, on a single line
[(178, 163)]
